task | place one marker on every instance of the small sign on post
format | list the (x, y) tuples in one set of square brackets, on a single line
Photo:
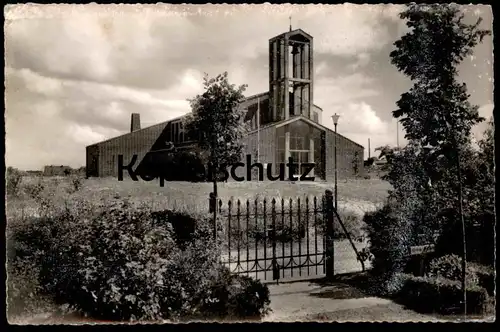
[(421, 255), (422, 250)]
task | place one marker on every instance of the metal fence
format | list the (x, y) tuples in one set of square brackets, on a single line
[(278, 239)]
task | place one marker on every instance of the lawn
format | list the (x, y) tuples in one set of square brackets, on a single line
[(357, 194)]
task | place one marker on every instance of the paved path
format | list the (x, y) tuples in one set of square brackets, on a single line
[(305, 301)]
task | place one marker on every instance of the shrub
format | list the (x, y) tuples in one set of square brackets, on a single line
[(480, 239), (23, 290), (13, 183), (123, 263), (439, 295), (450, 267), (353, 224), (234, 296), (487, 281), (76, 181), (34, 190), (387, 243), (486, 276)]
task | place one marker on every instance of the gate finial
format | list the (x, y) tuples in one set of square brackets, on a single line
[(290, 18)]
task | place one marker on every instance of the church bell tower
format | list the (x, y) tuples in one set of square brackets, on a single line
[(291, 75)]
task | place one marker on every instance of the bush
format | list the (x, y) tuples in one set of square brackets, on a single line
[(487, 281), (13, 183), (23, 290), (76, 182), (123, 263), (236, 296), (387, 243), (352, 222), (480, 239), (439, 295), (183, 225), (34, 190), (450, 267)]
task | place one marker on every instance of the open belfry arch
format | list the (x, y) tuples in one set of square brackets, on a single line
[(291, 72)]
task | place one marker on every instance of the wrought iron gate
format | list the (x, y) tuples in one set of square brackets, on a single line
[(275, 240)]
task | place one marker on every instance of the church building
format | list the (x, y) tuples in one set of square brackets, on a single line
[(285, 123)]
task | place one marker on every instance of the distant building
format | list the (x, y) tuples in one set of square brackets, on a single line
[(285, 124), (381, 161), (34, 173), (56, 170)]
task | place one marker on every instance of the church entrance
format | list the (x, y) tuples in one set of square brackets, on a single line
[(304, 144), (299, 157)]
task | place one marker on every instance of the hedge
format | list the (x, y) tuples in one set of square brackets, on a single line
[(450, 267), (439, 295)]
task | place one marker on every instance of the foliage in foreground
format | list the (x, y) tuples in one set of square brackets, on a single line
[(449, 267), (123, 263), (439, 295), (13, 181), (429, 196)]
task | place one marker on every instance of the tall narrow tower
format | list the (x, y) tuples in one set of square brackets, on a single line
[(291, 75)]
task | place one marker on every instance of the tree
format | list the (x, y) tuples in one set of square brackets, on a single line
[(388, 153), (436, 113), (355, 163), (217, 123)]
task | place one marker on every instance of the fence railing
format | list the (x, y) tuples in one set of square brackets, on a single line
[(279, 236), (282, 238)]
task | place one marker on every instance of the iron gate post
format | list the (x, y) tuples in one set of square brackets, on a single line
[(213, 210), (329, 209)]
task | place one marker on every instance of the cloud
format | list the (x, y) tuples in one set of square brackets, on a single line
[(360, 122), (54, 119), (361, 118), (74, 73), (362, 59), (334, 92), (144, 46)]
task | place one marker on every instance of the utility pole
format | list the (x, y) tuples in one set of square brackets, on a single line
[(335, 119), (258, 129), (450, 126), (369, 150), (397, 133)]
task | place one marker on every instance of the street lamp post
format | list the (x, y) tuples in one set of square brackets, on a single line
[(335, 119)]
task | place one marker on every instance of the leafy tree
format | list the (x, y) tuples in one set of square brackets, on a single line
[(436, 111), (437, 118), (388, 153), (217, 123)]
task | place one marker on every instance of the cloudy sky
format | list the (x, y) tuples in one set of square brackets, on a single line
[(74, 73)]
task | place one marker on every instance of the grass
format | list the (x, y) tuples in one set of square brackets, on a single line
[(355, 194)]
